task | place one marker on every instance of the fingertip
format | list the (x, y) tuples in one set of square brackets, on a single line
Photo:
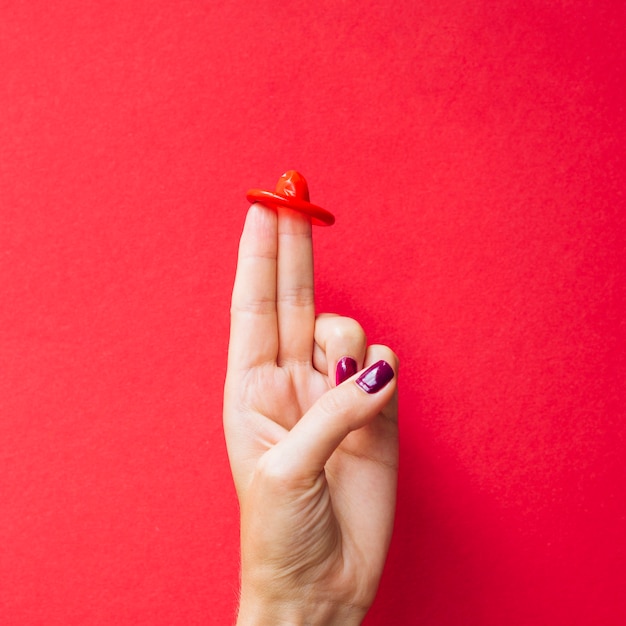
[(376, 377), (261, 220), (346, 368)]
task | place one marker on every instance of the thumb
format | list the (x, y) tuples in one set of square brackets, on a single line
[(303, 453)]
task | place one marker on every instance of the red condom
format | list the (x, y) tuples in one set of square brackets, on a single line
[(292, 192)]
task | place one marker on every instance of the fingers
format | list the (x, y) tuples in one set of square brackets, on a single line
[(340, 345), (273, 308), (295, 293), (303, 453), (254, 326)]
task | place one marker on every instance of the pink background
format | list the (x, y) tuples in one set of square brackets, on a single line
[(473, 153)]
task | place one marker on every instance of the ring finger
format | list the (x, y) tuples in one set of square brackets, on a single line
[(340, 345)]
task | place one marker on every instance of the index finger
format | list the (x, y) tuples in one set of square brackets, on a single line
[(254, 321)]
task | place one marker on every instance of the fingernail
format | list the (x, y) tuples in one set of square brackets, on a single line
[(346, 367), (375, 377)]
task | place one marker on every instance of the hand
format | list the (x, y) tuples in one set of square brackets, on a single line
[(314, 463)]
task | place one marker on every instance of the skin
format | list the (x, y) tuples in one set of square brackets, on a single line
[(314, 464)]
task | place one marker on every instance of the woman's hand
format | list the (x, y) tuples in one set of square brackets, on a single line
[(314, 462)]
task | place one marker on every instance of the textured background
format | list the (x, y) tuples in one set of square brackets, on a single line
[(473, 153)]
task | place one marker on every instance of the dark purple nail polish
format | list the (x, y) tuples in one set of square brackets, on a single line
[(375, 377), (346, 367)]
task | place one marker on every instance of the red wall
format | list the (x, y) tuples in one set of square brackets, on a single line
[(473, 153)]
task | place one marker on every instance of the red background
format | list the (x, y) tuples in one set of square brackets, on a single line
[(473, 153)]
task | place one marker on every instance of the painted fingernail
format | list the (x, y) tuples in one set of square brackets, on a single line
[(346, 367), (375, 377)]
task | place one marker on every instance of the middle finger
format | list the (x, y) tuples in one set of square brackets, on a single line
[(295, 302)]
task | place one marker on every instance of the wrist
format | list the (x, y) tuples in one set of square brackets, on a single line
[(256, 611)]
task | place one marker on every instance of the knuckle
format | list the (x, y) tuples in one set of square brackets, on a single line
[(350, 330), (300, 296), (255, 306)]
